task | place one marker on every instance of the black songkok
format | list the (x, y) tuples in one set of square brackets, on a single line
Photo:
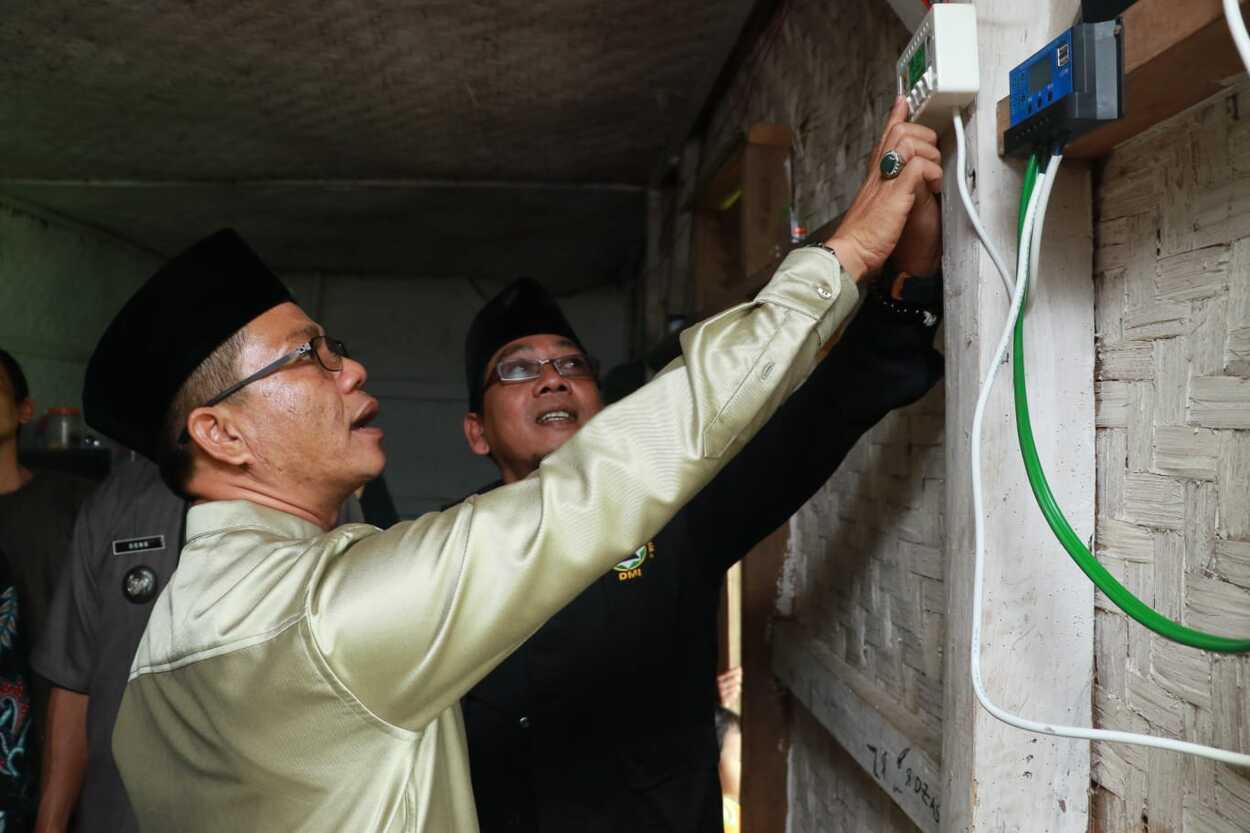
[(184, 312), (524, 308)]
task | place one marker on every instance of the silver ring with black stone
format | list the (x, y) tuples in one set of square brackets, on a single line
[(892, 163)]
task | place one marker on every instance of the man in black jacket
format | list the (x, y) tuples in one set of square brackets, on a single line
[(603, 720)]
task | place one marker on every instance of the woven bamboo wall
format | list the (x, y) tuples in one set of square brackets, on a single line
[(865, 570), (1173, 518)]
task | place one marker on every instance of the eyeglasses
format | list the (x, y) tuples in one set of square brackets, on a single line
[(329, 353), (572, 366)]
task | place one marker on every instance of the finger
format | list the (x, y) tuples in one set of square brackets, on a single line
[(923, 175), (906, 130), (914, 149), (898, 115)]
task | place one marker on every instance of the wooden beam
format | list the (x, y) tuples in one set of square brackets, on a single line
[(765, 707), (1176, 54), (765, 212), (726, 180), (886, 750), (1037, 647)]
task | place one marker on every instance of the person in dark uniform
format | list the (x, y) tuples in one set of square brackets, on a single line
[(603, 721), (125, 548)]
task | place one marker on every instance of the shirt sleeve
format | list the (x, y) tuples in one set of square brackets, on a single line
[(64, 652), (411, 618), (886, 360)]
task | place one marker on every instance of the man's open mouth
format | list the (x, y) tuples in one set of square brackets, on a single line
[(556, 416), (366, 416)]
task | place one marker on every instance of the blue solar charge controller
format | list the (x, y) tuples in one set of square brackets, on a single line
[(1067, 88)]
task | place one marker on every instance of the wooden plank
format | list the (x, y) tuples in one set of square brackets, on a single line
[(765, 211), (1037, 638), (717, 262), (906, 772), (722, 238), (716, 189), (729, 627), (774, 135), (1176, 54), (765, 708), (728, 178)]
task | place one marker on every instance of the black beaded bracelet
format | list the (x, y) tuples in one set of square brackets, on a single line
[(927, 318)]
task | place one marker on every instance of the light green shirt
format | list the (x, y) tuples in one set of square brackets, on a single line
[(292, 679)]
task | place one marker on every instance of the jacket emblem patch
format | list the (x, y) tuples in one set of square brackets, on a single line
[(631, 568)]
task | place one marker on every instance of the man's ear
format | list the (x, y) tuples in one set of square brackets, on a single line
[(475, 434), (25, 411), (213, 430)]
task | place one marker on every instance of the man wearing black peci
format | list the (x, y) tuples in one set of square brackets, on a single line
[(603, 722)]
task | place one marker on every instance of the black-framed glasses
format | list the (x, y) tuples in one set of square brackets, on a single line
[(329, 353), (572, 366)]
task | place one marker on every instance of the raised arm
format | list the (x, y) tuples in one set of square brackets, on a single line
[(885, 360), (410, 619)]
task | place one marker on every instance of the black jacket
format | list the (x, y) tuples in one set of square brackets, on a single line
[(603, 721)]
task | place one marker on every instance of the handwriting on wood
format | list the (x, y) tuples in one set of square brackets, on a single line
[(899, 778), (909, 775)]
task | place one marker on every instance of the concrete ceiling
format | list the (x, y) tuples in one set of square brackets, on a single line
[(361, 136)]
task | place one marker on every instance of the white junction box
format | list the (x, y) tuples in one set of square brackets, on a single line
[(938, 71)]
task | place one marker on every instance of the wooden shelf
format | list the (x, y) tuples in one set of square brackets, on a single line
[(1176, 54)]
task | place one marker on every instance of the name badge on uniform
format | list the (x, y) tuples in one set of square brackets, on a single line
[(127, 546)]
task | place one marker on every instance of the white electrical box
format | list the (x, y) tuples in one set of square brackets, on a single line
[(938, 71)]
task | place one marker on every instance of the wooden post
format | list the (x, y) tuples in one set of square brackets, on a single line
[(742, 223), (1039, 609), (765, 705)]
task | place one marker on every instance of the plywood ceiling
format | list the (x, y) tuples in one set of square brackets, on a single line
[(336, 133)]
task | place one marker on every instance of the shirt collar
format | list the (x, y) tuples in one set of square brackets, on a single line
[(221, 515)]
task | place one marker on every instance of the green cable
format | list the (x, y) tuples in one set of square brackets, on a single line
[(1114, 590)]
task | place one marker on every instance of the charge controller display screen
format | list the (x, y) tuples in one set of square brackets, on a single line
[(916, 67), (1040, 75)]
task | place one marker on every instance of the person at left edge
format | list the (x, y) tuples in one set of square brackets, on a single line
[(18, 778), (296, 676), (37, 509)]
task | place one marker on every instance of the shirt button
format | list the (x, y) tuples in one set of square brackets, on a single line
[(524, 722), (824, 292)]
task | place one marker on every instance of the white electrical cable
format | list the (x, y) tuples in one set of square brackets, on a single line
[(1031, 243), (1237, 27), (961, 154)]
